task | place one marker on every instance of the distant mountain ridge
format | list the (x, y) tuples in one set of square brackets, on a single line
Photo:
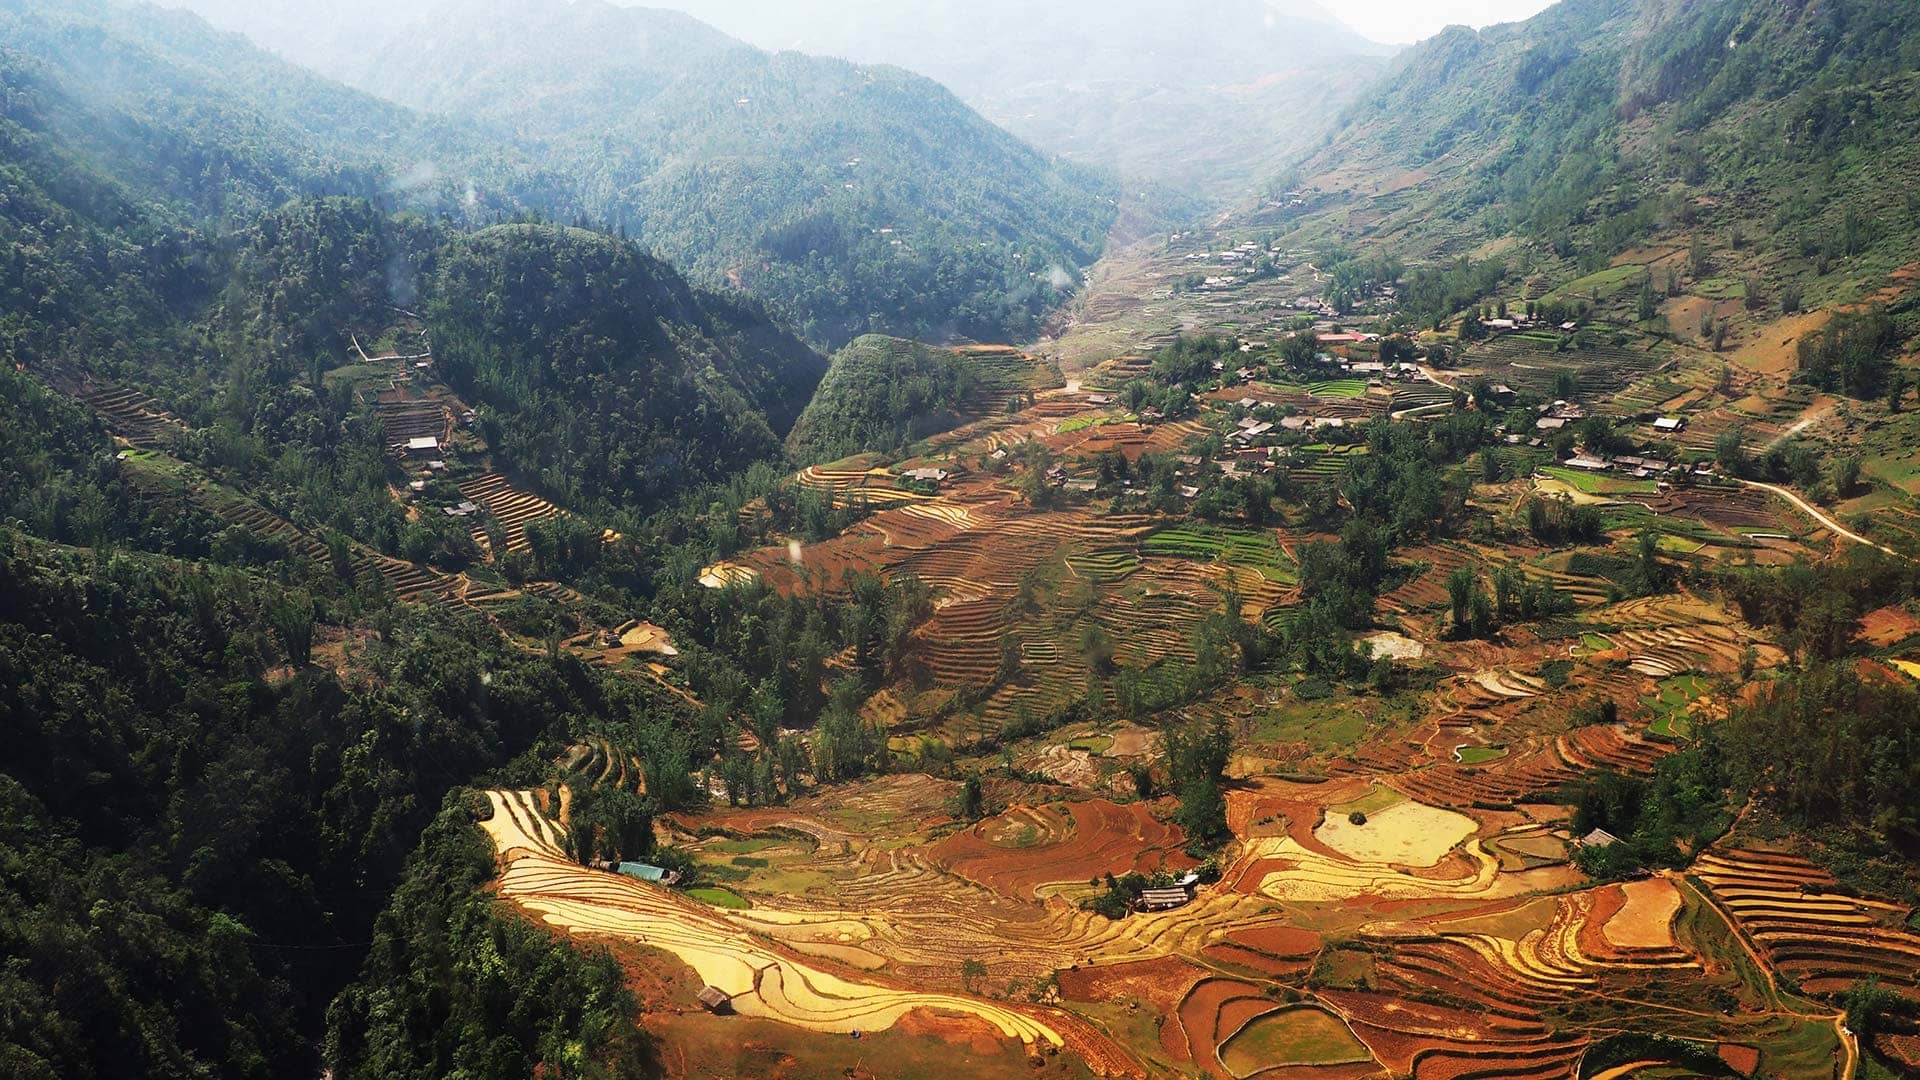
[(849, 198), (1196, 102), (1197, 95)]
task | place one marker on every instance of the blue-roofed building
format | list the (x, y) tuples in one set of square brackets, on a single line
[(648, 872)]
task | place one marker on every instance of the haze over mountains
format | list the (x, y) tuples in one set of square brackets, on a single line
[(850, 198), (1204, 97)]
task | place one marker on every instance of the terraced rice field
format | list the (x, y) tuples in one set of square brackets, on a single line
[(1027, 850), (1599, 483), (1785, 906), (403, 416), (1348, 388), (1673, 703), (1106, 566), (1405, 833), (513, 508), (597, 762), (762, 980), (1421, 396), (1447, 934), (407, 581), (1534, 364), (1232, 547), (1081, 423), (1528, 773), (130, 415)]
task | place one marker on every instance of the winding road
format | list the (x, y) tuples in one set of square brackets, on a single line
[(1816, 514)]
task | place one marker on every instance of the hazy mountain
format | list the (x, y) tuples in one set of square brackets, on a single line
[(164, 180), (1206, 95), (852, 198)]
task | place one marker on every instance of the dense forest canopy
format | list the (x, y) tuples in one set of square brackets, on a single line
[(882, 393), (602, 372)]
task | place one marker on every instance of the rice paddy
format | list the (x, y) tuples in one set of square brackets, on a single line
[(1233, 547), (1399, 895)]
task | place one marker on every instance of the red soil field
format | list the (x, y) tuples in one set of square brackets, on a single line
[(1607, 902), (978, 1036), (1888, 626), (1741, 1059), (1105, 838), (1159, 984), (1289, 942), (1214, 1009), (1260, 963)]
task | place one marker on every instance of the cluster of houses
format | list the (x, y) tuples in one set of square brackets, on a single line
[(1634, 465), (1149, 414), (1179, 894), (1238, 254), (1379, 374), (1521, 322), (1553, 417), (1248, 429)]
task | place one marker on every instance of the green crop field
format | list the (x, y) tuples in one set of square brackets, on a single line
[(1603, 283), (1234, 547), (1669, 705), (1301, 1036), (1104, 566), (1078, 423), (1599, 483), (1338, 388)]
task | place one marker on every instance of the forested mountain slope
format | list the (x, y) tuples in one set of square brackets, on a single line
[(201, 822), (113, 156), (180, 113), (1584, 130), (848, 197), (205, 814), (206, 222), (851, 198), (603, 373), (881, 393)]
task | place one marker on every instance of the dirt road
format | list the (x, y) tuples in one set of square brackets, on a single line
[(1818, 515)]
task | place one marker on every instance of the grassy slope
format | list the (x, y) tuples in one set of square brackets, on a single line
[(1598, 125)]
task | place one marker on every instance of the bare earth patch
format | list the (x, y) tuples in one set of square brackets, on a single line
[(1888, 626), (1393, 646), (1405, 834), (1646, 922)]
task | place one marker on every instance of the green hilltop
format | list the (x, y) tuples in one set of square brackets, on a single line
[(1782, 135)]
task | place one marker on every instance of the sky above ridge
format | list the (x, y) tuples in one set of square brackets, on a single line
[(1403, 22)]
